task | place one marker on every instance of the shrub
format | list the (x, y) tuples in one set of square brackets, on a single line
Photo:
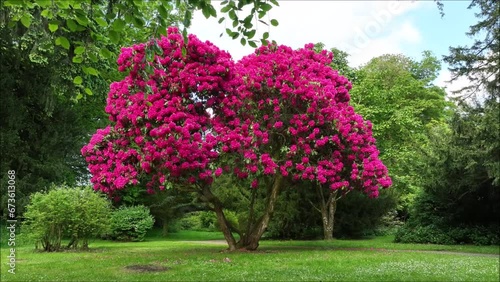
[(447, 235), (63, 212), (205, 220), (130, 223), (433, 220)]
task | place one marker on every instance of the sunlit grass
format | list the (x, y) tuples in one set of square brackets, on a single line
[(185, 258)]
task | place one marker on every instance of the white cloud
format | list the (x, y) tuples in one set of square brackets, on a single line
[(443, 80), (364, 29), (409, 33)]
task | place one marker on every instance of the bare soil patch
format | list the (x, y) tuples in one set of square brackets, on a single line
[(146, 268)]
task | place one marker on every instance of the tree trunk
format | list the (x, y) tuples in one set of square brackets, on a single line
[(328, 209), (221, 218), (250, 240), (164, 231)]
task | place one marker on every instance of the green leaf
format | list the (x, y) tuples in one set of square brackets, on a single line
[(93, 57), (79, 96), (111, 15), (102, 22), (158, 50), (274, 22), (82, 20), (138, 22), (225, 9), (53, 26), (251, 34), (247, 22), (44, 3), (88, 91), (105, 53), (118, 25), (187, 18), (275, 2), (26, 20), (206, 12), (221, 20), (78, 80), (71, 24), (265, 35), (92, 71), (77, 59), (63, 41), (266, 7), (163, 12), (243, 41), (252, 43), (212, 11), (114, 36), (232, 15), (79, 50)]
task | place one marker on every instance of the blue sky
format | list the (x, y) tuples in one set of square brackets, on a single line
[(365, 29)]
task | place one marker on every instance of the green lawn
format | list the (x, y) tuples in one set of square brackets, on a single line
[(183, 257)]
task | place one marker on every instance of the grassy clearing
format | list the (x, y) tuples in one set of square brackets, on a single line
[(342, 260)]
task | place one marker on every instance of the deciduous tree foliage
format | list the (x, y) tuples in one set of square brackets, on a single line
[(398, 95), (87, 31), (275, 117)]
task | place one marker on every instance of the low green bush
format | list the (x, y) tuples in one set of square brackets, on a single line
[(130, 223), (446, 235), (64, 212)]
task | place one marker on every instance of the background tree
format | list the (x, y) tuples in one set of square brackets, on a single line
[(479, 62), (398, 95), (89, 31), (463, 163), (42, 129)]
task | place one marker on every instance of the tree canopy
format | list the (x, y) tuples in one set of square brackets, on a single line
[(277, 115)]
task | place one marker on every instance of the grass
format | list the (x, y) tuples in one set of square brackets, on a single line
[(184, 258)]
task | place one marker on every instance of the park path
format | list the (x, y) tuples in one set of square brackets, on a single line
[(223, 243)]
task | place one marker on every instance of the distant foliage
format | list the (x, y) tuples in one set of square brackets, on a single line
[(130, 223), (205, 221), (459, 203), (77, 214), (357, 215)]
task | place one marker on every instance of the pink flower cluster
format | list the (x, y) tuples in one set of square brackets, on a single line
[(292, 116), (276, 111), (161, 116)]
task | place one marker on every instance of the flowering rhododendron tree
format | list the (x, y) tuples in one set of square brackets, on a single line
[(293, 120), (276, 117)]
